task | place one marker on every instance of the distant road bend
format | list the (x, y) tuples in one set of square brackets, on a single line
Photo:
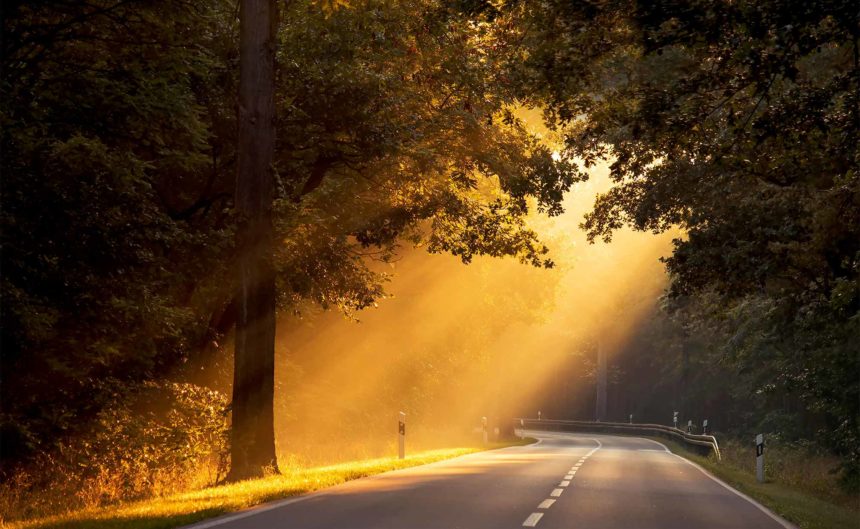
[(570, 481)]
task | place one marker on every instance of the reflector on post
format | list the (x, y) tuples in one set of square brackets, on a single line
[(759, 458)]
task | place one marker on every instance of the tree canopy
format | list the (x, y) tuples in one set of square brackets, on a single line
[(738, 122), (119, 161)]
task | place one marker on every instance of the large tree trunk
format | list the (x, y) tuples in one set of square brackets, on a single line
[(253, 434)]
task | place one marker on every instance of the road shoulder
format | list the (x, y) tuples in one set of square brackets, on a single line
[(792, 508)]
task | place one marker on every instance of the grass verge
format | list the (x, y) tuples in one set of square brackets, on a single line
[(189, 507), (797, 506)]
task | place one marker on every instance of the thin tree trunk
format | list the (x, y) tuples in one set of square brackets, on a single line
[(252, 449), (600, 400)]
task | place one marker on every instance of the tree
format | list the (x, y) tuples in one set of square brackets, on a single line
[(740, 123), (252, 432), (374, 152), (119, 226)]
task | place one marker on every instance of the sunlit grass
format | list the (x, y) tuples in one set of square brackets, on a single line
[(796, 504), (189, 507)]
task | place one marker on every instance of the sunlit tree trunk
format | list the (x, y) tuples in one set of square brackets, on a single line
[(253, 436)]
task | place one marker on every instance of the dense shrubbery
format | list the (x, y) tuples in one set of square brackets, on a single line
[(153, 439)]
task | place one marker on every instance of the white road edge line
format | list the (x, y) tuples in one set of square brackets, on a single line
[(533, 519), (253, 511), (596, 448), (564, 483), (546, 504), (569, 476), (556, 493), (777, 518)]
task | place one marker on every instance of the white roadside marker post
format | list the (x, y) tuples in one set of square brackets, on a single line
[(522, 429), (759, 458), (631, 419), (484, 428), (690, 426), (705, 427), (675, 419), (539, 415), (401, 436)]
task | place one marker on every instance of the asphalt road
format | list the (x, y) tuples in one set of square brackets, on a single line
[(570, 481)]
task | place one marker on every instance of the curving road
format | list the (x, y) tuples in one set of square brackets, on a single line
[(570, 481)]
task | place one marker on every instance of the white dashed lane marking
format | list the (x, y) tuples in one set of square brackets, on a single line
[(533, 519)]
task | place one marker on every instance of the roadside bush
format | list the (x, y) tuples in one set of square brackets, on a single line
[(156, 439), (802, 465)]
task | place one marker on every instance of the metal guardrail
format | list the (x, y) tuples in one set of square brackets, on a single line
[(703, 444)]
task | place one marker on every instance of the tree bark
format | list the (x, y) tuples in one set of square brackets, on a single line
[(252, 449)]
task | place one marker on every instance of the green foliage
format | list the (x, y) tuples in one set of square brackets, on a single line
[(104, 135), (119, 160), (738, 122), (392, 129), (152, 439)]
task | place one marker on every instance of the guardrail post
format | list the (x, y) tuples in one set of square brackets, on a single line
[(759, 458), (401, 436)]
